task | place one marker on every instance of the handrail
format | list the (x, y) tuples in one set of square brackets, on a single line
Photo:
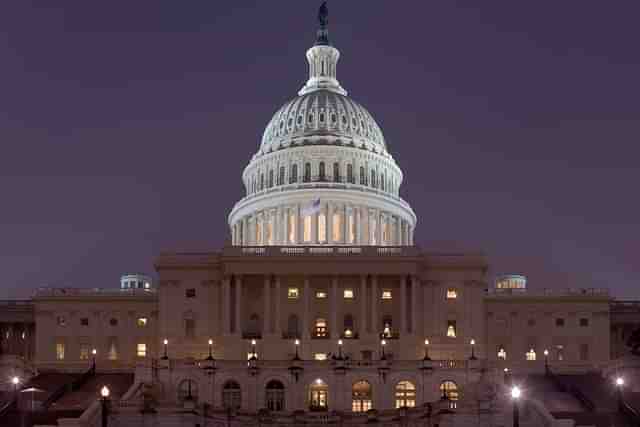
[(629, 411), (573, 390), (72, 386), (7, 407)]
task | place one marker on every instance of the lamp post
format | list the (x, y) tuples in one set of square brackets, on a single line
[(166, 353), (546, 362), (619, 386), (297, 344), (210, 357), (340, 342), (104, 393), (506, 375), (473, 351), (15, 381), (426, 350), (210, 369), (383, 343), (515, 396), (94, 352), (295, 369)]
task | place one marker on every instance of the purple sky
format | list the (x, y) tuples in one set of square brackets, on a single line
[(125, 126)]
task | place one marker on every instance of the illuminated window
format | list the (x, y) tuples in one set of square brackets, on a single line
[(320, 357), (322, 228), (450, 390), (307, 229), (387, 322), (451, 329), (502, 354), (293, 293), (62, 321), (292, 228), (348, 294), (141, 350), (337, 227), (112, 353), (386, 294), (142, 322), (321, 328), (452, 294), (405, 395), (560, 352), (251, 355), (84, 352), (531, 355), (321, 295), (361, 397), (60, 351)]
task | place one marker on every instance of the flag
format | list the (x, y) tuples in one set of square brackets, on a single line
[(312, 208)]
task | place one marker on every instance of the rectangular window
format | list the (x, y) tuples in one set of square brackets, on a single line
[(190, 293), (531, 355), (141, 350), (451, 329), (60, 351), (348, 294), (293, 293), (584, 352), (322, 330), (84, 352), (84, 321), (142, 322), (307, 229), (190, 328), (386, 294), (584, 323), (452, 294), (320, 356), (321, 295), (560, 323), (337, 227), (322, 228)]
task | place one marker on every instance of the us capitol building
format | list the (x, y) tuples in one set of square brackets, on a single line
[(321, 311)]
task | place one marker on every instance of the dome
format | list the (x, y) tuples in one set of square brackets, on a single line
[(308, 118)]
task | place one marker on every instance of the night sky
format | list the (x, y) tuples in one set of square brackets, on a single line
[(125, 127)]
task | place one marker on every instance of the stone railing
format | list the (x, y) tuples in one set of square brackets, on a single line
[(368, 251), (548, 292), (94, 292)]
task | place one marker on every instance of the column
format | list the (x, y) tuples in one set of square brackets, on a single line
[(380, 217), (226, 305), (330, 223), (362, 327), (277, 296), (314, 228), (356, 222), (344, 224), (374, 327), (245, 231), (334, 308), (238, 329), (285, 227), (299, 225), (266, 295), (305, 314), (403, 305), (415, 290)]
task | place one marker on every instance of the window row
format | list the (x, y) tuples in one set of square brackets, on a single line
[(318, 396), (349, 294), (62, 321), (556, 353), (276, 177), (559, 322), (87, 351)]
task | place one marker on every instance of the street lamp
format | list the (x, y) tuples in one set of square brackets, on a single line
[(473, 352), (166, 345), (297, 343), (619, 386), (104, 393), (295, 369), (383, 343), (546, 361), (426, 350), (340, 342), (516, 393), (210, 357), (94, 352)]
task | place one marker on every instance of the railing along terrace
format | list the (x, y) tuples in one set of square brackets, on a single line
[(16, 303), (61, 292), (548, 292), (410, 251)]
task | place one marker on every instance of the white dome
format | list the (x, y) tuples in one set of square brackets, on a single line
[(314, 116)]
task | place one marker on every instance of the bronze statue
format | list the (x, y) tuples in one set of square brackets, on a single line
[(323, 15)]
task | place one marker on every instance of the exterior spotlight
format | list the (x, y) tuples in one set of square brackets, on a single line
[(619, 387), (15, 381), (619, 382)]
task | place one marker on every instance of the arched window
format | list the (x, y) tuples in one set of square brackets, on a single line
[(281, 176), (271, 178), (382, 183), (373, 178), (502, 353), (318, 396), (261, 181), (361, 397), (294, 174), (188, 390), (253, 327), (350, 174), (293, 330), (322, 172), (449, 390), (405, 394), (274, 398), (348, 326), (231, 395), (336, 172), (307, 172), (531, 355), (363, 176)]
